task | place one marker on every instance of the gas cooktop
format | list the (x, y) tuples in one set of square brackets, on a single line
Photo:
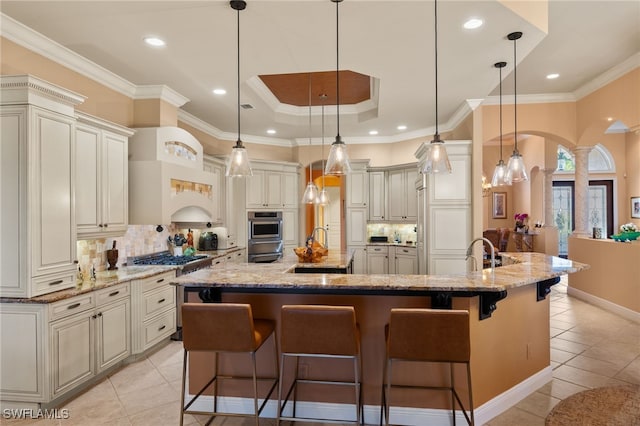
[(165, 258)]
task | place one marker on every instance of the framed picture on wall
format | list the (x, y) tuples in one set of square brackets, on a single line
[(499, 205), (635, 207)]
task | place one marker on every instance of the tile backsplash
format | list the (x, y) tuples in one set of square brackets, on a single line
[(401, 231)]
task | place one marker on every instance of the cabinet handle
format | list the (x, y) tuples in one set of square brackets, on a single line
[(106, 225), (160, 280), (115, 293), (100, 225), (161, 300), (229, 257), (99, 314), (75, 305), (162, 328), (56, 282), (405, 250)]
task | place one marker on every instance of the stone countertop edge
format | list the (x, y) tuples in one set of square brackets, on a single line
[(523, 269)]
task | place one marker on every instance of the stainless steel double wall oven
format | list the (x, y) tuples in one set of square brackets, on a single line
[(265, 236)]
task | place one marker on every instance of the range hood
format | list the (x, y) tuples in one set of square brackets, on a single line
[(167, 182)]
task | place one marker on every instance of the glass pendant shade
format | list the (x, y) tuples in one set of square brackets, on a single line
[(323, 197), (500, 175), (310, 194), (437, 160), (239, 165), (338, 161), (516, 170)]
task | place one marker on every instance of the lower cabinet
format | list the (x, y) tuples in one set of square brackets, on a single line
[(359, 259), (153, 313), (383, 259), (85, 343)]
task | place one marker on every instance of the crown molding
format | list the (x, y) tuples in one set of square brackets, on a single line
[(44, 46), (162, 92), (544, 98), (207, 128), (608, 76)]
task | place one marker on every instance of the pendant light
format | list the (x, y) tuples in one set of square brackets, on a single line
[(437, 160), (516, 170), (323, 197), (239, 165), (310, 195), (500, 173), (338, 161)]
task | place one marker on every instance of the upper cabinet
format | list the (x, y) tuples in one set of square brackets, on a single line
[(402, 195), (357, 187), (38, 220), (101, 178), (217, 168), (272, 186), (392, 194)]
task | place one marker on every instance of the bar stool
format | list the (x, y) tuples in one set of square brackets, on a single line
[(225, 327), (427, 335), (322, 332)]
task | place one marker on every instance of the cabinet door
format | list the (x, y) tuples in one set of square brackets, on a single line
[(289, 188), (51, 184), (406, 261), (88, 180), (359, 260), (115, 210), (290, 227), (377, 196), (72, 351), (397, 197), (255, 190), (113, 328), (273, 189), (377, 260), (219, 201), (356, 227), (411, 194), (357, 189)]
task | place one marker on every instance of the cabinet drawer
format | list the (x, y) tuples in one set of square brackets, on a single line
[(218, 261), (54, 282), (158, 300), (111, 294), (71, 306), (156, 281), (406, 251), (159, 327), (378, 249)]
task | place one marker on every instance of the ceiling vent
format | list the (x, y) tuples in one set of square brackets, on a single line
[(246, 106)]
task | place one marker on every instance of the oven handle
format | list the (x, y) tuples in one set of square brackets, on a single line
[(265, 241), (274, 256)]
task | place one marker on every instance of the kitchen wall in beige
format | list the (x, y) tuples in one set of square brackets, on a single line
[(632, 178), (154, 113), (101, 101)]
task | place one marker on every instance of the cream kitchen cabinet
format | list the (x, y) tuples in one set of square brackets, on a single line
[(101, 178), (290, 230), (153, 310), (359, 259), (91, 335), (377, 259), (377, 195), (403, 260), (217, 167), (37, 187), (272, 189), (358, 185), (403, 206)]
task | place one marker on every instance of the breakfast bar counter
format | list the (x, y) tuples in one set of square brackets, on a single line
[(509, 325)]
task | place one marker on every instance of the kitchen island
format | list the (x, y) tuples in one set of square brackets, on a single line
[(510, 355)]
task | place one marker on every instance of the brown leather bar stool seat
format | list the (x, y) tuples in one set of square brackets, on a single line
[(319, 331), (428, 335), (225, 327)]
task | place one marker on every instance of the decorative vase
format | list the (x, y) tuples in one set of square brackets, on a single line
[(112, 258)]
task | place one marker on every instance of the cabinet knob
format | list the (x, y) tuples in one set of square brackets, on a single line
[(100, 225), (106, 225), (99, 314), (94, 316)]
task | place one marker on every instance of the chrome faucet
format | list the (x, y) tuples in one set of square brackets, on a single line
[(470, 251), (313, 235)]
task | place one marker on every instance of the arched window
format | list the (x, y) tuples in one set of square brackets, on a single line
[(600, 160)]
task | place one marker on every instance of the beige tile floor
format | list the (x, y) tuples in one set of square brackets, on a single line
[(590, 347)]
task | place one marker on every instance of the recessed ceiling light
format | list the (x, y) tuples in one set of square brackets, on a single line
[(402, 127), (373, 132), (219, 92), (553, 76), (610, 119), (473, 23), (154, 41), (271, 131)]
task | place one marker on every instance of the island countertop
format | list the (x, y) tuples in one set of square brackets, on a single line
[(521, 269)]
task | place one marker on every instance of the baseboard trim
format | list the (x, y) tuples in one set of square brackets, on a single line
[(604, 304), (399, 415)]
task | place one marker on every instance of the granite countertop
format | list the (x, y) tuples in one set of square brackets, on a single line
[(104, 279), (521, 269)]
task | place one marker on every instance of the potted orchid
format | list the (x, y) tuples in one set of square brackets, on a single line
[(521, 221)]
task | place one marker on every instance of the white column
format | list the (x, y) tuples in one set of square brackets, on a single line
[(582, 191), (548, 197)]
